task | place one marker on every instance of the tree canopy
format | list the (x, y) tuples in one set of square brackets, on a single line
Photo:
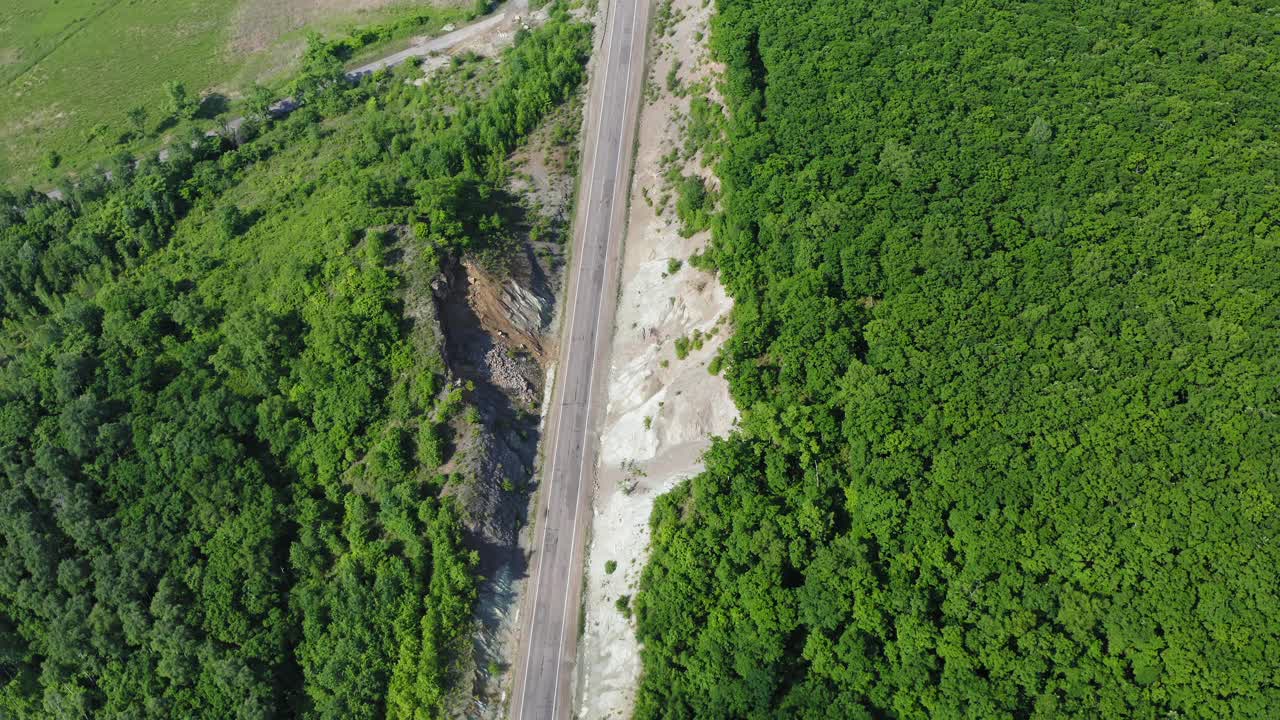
[(1006, 348)]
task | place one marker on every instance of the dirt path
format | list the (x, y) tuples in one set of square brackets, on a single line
[(662, 411), (512, 13)]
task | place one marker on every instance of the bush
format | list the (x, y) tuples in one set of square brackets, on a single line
[(692, 205), (430, 446), (682, 348)]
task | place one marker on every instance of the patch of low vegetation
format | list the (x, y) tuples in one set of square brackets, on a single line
[(705, 129), (689, 343), (632, 473), (715, 365), (673, 79), (665, 18), (682, 348), (694, 205)]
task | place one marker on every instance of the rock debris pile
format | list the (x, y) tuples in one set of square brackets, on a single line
[(506, 373)]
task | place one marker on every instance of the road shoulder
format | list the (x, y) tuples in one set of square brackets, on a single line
[(661, 410)]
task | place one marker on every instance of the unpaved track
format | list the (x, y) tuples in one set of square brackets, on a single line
[(446, 41), (549, 615)]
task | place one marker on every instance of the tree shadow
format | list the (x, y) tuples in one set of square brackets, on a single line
[(496, 250), (166, 124), (212, 105)]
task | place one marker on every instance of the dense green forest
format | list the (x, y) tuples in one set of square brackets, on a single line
[(1007, 352), (220, 427)]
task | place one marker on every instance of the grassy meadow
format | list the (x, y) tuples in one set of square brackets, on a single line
[(70, 70)]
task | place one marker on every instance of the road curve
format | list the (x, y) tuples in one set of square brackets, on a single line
[(549, 613)]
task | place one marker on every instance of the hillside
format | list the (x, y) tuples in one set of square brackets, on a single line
[(1005, 343), (228, 427)]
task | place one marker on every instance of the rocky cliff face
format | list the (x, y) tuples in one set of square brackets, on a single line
[(494, 330), (497, 326), (495, 339), (509, 310)]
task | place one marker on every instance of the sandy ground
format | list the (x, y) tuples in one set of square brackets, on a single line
[(660, 417)]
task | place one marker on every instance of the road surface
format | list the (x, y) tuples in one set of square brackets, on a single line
[(549, 614)]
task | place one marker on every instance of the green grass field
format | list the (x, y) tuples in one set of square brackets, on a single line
[(71, 69)]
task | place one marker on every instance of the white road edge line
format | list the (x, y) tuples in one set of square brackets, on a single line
[(551, 470), (591, 385)]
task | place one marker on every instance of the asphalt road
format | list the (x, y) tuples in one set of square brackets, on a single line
[(549, 613)]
